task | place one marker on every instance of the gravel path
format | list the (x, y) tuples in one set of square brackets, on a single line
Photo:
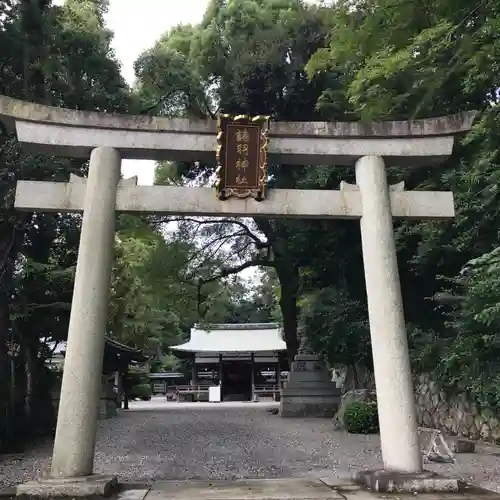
[(160, 440)]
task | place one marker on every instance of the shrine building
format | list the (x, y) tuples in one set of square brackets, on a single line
[(246, 360)]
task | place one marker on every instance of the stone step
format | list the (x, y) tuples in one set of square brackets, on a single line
[(324, 488), (244, 489), (312, 488)]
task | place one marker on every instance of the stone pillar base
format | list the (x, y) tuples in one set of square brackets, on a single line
[(395, 482), (304, 406), (87, 486), (309, 392)]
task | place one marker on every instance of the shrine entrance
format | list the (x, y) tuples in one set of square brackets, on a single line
[(236, 381), (241, 146)]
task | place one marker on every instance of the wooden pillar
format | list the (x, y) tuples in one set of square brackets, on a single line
[(126, 384), (117, 385), (194, 372), (252, 362), (220, 377)]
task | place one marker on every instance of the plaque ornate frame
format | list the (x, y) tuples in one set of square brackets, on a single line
[(258, 193)]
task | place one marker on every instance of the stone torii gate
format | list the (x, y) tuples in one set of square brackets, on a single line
[(109, 138)]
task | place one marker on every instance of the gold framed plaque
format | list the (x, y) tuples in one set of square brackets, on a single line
[(242, 143)]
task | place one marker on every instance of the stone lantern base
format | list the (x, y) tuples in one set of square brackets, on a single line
[(309, 391)]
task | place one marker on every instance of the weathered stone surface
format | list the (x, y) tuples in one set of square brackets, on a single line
[(86, 486), (495, 434), (472, 432), (107, 405), (454, 415), (132, 494), (11, 109), (59, 131), (478, 421), (81, 386), (485, 431), (247, 489), (345, 483), (391, 482), (309, 390), (327, 204)]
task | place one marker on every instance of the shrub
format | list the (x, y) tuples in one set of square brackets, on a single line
[(360, 417), (141, 391)]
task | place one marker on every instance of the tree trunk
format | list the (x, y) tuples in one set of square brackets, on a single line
[(7, 363), (289, 283), (358, 377), (4, 372), (288, 275), (29, 383)]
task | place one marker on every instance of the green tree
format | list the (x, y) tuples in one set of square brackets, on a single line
[(338, 329), (57, 56), (470, 352), (403, 60)]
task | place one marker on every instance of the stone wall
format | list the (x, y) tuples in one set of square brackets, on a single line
[(454, 415)]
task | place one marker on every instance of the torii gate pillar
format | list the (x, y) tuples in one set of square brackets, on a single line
[(81, 383), (391, 361)]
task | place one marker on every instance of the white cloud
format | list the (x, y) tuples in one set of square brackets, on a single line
[(137, 25)]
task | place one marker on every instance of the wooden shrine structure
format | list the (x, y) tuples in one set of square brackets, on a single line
[(236, 357)]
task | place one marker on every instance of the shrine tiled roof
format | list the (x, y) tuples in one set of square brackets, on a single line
[(255, 337)]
